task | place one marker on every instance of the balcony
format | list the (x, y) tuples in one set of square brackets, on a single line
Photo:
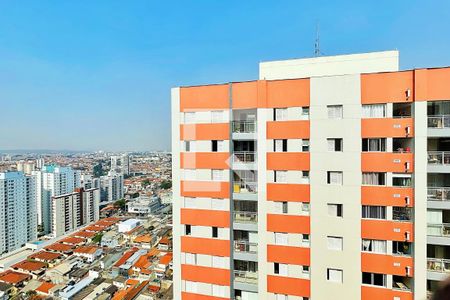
[(245, 246), (440, 265), (439, 158), (245, 190), (246, 277), (438, 194), (244, 160), (439, 121), (244, 127), (441, 230), (248, 217)]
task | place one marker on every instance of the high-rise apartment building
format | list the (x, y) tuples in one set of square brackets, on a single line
[(120, 164), (53, 181), (72, 210), (327, 178), (26, 167), (18, 221), (111, 187)]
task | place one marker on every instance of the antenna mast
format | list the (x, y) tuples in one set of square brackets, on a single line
[(317, 43)]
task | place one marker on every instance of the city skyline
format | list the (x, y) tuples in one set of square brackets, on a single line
[(96, 76)]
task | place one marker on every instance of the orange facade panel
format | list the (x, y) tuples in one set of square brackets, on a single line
[(209, 131), (208, 97), (387, 127), (288, 223), (387, 230), (387, 87), (288, 192), (204, 160), (288, 161), (245, 95), (205, 274), (432, 84), (378, 293), (387, 196), (288, 286), (387, 162), (205, 217), (288, 129), (192, 296), (205, 246), (288, 93), (387, 264), (288, 255), (211, 189)]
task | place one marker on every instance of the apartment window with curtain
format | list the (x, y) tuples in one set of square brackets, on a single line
[(219, 290), (334, 145), (189, 117), (334, 210), (191, 286), (217, 116), (374, 178), (305, 145), (334, 177), (189, 202), (280, 176), (376, 246), (373, 212), (280, 146), (374, 145), (280, 269), (335, 243), (281, 238), (190, 174), (374, 279), (191, 258), (280, 114), (401, 180), (335, 111), (374, 111), (217, 175), (335, 275)]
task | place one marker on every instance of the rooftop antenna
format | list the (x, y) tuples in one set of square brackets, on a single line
[(317, 42)]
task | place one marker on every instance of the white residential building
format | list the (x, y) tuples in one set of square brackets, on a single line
[(72, 210), (53, 181), (111, 187), (18, 223), (121, 163)]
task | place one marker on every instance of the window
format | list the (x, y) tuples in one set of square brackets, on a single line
[(188, 146), (285, 207), (305, 145), (214, 146), (217, 116), (334, 243), (281, 269), (374, 279), (191, 286), (217, 146), (374, 178), (189, 202), (280, 176), (334, 275), (374, 111), (373, 212), (191, 258), (401, 181), (280, 146), (335, 111), (334, 177), (190, 174), (305, 111), (305, 207), (216, 175), (305, 174), (281, 297), (219, 290), (305, 269), (187, 229), (374, 145), (189, 117), (334, 145), (218, 204), (280, 114), (281, 238), (305, 238), (219, 262), (335, 210), (376, 246), (276, 268), (215, 232)]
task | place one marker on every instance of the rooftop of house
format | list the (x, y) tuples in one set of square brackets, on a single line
[(86, 250), (45, 256), (29, 266), (45, 287), (72, 240), (13, 277), (58, 247)]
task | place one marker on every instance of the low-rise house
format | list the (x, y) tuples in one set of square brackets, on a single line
[(71, 240), (71, 290), (60, 273), (144, 241), (165, 244), (60, 248), (46, 289), (131, 292), (33, 268), (88, 235), (111, 239), (128, 225), (50, 258), (163, 265), (90, 253), (15, 278), (5, 291)]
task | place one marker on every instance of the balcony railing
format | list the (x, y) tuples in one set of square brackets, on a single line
[(245, 246), (441, 265), (244, 126), (245, 217), (439, 158), (246, 277), (439, 121), (242, 186), (244, 157), (439, 229), (438, 194)]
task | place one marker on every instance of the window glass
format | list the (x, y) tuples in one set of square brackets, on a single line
[(374, 111), (335, 111)]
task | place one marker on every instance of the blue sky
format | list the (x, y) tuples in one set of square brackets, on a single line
[(91, 74)]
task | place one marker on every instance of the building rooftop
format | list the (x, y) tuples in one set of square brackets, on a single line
[(45, 256), (29, 266), (86, 250), (57, 247), (45, 287), (13, 277), (72, 240)]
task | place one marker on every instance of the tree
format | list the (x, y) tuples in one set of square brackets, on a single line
[(166, 184), (98, 170), (97, 238), (120, 204)]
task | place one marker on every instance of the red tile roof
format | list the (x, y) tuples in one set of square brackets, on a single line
[(45, 287), (166, 259), (13, 277), (45, 256), (86, 250), (84, 234), (57, 247), (72, 240), (125, 257), (94, 228), (29, 266)]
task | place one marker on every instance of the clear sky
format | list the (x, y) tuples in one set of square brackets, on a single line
[(96, 75)]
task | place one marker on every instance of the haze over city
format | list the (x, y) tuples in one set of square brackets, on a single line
[(93, 75)]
